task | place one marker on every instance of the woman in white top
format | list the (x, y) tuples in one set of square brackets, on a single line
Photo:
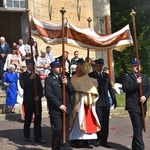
[(43, 62), (43, 66), (13, 58)]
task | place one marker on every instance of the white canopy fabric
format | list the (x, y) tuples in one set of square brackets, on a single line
[(85, 38)]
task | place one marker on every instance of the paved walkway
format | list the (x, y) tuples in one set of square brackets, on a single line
[(120, 135)]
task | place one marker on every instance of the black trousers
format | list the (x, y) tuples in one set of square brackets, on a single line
[(103, 116), (1, 68), (137, 142), (56, 124), (29, 109)]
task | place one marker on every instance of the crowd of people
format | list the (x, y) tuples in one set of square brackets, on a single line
[(88, 95)]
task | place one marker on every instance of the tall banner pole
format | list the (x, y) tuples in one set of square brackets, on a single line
[(35, 86), (88, 52), (109, 52), (63, 74), (133, 13)]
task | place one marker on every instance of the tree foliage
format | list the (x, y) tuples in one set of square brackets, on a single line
[(120, 16)]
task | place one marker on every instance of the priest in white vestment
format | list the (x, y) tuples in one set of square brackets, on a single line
[(84, 122)]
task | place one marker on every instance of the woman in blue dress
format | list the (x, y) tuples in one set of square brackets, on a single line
[(10, 80)]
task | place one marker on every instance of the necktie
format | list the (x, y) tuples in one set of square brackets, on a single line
[(59, 77), (100, 74), (136, 75)]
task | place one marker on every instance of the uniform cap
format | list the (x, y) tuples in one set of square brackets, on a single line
[(29, 61), (55, 63), (80, 61), (133, 62), (59, 58), (99, 61)]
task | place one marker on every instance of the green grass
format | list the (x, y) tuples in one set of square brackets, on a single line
[(120, 100), (148, 108), (121, 103)]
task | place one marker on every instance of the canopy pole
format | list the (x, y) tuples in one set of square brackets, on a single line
[(88, 52), (63, 75), (133, 13), (29, 27), (109, 52)]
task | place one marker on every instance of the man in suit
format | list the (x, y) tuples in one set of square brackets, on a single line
[(102, 104), (74, 62), (53, 93), (32, 102), (67, 62), (4, 51), (75, 58), (130, 86), (49, 53)]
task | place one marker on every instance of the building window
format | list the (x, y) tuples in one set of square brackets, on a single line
[(14, 3), (1, 3)]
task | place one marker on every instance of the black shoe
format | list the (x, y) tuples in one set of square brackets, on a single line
[(40, 141), (96, 143), (105, 145), (76, 144), (87, 145), (28, 139)]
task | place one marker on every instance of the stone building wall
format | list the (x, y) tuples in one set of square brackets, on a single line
[(77, 12)]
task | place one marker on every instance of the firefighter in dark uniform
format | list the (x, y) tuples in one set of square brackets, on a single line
[(53, 93), (102, 104), (130, 86), (30, 102)]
